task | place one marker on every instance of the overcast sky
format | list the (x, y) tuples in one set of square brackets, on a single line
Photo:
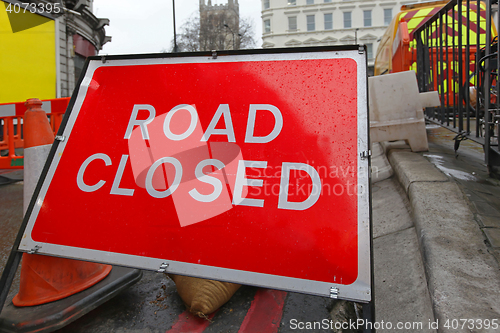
[(147, 26)]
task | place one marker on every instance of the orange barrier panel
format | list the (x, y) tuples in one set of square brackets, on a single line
[(17, 135), (12, 125), (9, 142), (445, 72), (55, 120)]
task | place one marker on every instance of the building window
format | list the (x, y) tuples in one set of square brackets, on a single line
[(310, 2), (292, 23), (311, 26), (369, 51), (329, 21), (327, 0), (367, 18), (387, 16), (267, 26), (292, 2), (266, 4), (347, 20)]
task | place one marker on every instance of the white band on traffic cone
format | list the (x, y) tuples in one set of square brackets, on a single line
[(34, 161)]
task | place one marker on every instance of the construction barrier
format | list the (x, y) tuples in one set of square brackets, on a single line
[(11, 129), (57, 105), (10, 140), (45, 279), (462, 66), (392, 117)]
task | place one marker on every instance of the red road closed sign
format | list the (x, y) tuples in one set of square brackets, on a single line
[(249, 168)]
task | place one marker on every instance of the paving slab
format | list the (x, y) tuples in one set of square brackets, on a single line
[(487, 189), (400, 283), (473, 196), (488, 221), (485, 208), (495, 253), (391, 210), (401, 294), (493, 236)]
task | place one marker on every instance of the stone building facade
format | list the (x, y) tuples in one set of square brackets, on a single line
[(295, 23), (81, 34)]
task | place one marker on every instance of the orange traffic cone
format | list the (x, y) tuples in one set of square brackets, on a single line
[(45, 279)]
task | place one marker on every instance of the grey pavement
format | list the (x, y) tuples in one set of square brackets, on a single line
[(401, 294)]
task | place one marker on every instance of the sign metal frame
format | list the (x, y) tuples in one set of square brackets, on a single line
[(360, 290)]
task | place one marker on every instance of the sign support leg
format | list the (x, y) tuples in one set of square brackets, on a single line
[(369, 317)]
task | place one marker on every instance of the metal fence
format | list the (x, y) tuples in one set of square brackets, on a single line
[(457, 57)]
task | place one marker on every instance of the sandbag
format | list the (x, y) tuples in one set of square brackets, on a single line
[(201, 296)]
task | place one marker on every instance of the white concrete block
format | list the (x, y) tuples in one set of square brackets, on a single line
[(396, 110), (394, 96), (381, 168)]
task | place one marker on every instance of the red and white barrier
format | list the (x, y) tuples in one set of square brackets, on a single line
[(58, 105)]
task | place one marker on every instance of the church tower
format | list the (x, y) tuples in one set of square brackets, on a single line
[(219, 25)]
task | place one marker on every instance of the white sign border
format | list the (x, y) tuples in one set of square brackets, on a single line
[(360, 290)]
